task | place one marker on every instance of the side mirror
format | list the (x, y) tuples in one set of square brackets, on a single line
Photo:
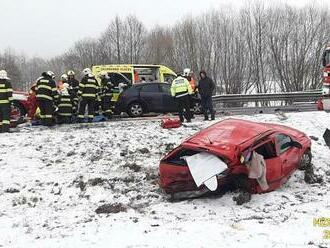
[(296, 144)]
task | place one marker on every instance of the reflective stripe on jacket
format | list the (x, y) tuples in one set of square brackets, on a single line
[(181, 87), (6, 91), (46, 89), (88, 87), (65, 105)]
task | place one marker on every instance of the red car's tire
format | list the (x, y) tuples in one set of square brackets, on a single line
[(306, 160)]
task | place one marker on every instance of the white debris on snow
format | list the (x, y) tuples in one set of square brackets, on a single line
[(53, 180)]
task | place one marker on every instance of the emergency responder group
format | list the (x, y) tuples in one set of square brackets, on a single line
[(68, 99)]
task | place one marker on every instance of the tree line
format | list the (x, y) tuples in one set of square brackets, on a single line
[(253, 49)]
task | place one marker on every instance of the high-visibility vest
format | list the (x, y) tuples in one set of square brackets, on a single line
[(181, 87)]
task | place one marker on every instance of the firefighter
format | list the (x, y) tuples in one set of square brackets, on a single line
[(88, 89), (47, 97), (6, 93), (106, 94), (65, 106), (181, 90), (64, 79), (73, 90)]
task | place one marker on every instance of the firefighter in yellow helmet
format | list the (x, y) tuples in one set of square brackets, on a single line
[(181, 91), (6, 92)]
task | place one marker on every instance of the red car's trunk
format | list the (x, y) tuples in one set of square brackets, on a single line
[(174, 173)]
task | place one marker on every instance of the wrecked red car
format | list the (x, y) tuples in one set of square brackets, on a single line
[(232, 141), (23, 104), (20, 105)]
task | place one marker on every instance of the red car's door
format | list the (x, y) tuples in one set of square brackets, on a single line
[(289, 155), (273, 162)]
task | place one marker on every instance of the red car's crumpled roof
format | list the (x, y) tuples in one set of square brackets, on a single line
[(229, 131)]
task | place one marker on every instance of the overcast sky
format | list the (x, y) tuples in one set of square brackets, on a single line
[(48, 27)]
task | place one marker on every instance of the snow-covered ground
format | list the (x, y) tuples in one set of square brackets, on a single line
[(53, 180)]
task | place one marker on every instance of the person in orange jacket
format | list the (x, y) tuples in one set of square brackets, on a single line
[(188, 74), (136, 77), (33, 103)]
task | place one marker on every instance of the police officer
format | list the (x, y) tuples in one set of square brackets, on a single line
[(181, 90), (106, 94), (88, 89), (6, 92), (73, 89), (47, 97)]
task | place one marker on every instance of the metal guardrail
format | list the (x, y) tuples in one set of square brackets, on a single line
[(308, 96)]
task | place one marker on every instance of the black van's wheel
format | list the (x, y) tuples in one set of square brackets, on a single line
[(135, 109), (306, 160), (197, 108)]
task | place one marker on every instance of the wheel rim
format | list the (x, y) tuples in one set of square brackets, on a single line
[(136, 109), (305, 160), (197, 108)]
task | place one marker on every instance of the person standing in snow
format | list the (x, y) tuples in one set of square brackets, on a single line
[(73, 89), (47, 96), (88, 89), (6, 92), (181, 91), (65, 106), (205, 88), (106, 94)]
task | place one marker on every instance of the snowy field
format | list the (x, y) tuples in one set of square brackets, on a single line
[(53, 180)]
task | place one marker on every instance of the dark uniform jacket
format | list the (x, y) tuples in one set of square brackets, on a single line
[(88, 87), (206, 87), (46, 89), (107, 87), (6, 91), (74, 84), (65, 105)]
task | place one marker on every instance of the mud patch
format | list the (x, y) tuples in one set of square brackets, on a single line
[(111, 208), (11, 190), (96, 181), (133, 166)]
